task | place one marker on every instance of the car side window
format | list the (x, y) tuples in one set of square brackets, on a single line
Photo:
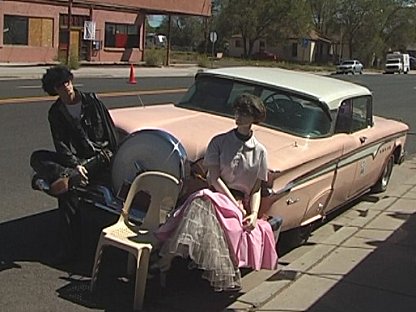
[(359, 114), (344, 117), (354, 115)]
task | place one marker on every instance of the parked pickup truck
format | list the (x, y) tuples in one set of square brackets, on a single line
[(397, 62)]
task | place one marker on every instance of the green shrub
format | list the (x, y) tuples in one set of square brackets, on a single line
[(203, 61), (154, 57), (73, 61)]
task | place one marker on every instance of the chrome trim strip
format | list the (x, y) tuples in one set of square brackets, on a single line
[(362, 152)]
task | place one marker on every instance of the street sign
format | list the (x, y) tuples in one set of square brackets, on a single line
[(213, 36), (89, 30)]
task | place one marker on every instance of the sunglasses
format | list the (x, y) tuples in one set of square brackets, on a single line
[(240, 112), (61, 84)]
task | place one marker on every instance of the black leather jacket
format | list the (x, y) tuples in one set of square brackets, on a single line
[(77, 140)]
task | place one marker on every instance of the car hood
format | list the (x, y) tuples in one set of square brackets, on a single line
[(194, 129)]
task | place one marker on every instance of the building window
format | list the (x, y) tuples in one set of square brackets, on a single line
[(28, 31), (77, 21), (15, 30), (238, 43), (121, 36), (262, 45), (294, 49)]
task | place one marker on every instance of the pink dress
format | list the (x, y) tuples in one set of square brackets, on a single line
[(208, 226), (218, 251), (252, 249)]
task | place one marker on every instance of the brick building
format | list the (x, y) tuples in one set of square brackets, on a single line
[(100, 31)]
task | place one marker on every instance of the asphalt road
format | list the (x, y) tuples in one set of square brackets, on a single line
[(30, 87), (28, 219)]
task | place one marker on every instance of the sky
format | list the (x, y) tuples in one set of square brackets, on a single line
[(155, 20)]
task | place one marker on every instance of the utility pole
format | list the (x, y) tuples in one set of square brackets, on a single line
[(168, 43), (68, 56)]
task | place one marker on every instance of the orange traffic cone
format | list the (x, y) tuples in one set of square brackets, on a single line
[(132, 78)]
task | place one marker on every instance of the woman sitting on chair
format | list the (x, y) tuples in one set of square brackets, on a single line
[(218, 228)]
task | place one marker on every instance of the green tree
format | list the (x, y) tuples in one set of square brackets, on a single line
[(187, 32), (270, 19), (324, 15), (372, 27)]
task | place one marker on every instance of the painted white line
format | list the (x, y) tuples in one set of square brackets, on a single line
[(39, 86)]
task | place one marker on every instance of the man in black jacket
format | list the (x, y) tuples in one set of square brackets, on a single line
[(85, 140)]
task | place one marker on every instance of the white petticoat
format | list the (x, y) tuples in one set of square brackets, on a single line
[(199, 235)]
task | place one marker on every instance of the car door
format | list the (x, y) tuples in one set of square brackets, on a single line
[(358, 162), (371, 152)]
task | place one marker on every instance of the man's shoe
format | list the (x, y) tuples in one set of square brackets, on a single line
[(40, 184)]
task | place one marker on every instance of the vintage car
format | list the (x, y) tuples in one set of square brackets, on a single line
[(325, 147)]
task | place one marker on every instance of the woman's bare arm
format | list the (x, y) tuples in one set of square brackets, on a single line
[(251, 219), (215, 180)]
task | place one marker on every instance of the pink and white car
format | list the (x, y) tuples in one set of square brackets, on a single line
[(324, 145)]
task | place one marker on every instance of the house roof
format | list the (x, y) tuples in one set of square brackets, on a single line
[(312, 35)]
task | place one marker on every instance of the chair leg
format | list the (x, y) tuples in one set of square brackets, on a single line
[(141, 278), (97, 261), (131, 264)]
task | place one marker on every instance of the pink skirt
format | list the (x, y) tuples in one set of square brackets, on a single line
[(208, 228)]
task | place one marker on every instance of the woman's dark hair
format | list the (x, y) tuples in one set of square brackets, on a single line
[(54, 77), (252, 105)]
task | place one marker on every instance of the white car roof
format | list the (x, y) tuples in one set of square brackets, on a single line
[(324, 89)]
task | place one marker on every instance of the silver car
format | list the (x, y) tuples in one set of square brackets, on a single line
[(350, 66)]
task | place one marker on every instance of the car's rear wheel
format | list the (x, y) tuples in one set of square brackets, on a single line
[(383, 182)]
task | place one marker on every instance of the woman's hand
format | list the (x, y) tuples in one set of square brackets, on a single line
[(250, 221), (240, 206)]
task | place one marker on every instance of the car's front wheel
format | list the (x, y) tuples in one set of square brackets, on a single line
[(383, 182)]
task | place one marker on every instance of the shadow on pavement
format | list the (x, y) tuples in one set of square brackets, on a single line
[(28, 239), (384, 280), (34, 239)]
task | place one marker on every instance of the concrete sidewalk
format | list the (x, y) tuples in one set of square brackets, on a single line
[(369, 264), (32, 71)]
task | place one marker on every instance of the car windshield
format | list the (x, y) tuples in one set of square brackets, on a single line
[(393, 61), (286, 112), (347, 63)]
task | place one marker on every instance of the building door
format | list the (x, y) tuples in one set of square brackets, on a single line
[(78, 47), (74, 44)]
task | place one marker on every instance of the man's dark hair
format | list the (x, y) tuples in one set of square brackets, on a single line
[(54, 77), (252, 105)]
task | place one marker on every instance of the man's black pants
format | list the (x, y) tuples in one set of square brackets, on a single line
[(48, 166)]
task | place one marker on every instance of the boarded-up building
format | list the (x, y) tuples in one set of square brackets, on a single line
[(100, 31)]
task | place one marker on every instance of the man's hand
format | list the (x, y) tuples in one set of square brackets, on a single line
[(106, 155), (83, 172)]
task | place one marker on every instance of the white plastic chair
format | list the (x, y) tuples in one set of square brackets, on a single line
[(163, 190)]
